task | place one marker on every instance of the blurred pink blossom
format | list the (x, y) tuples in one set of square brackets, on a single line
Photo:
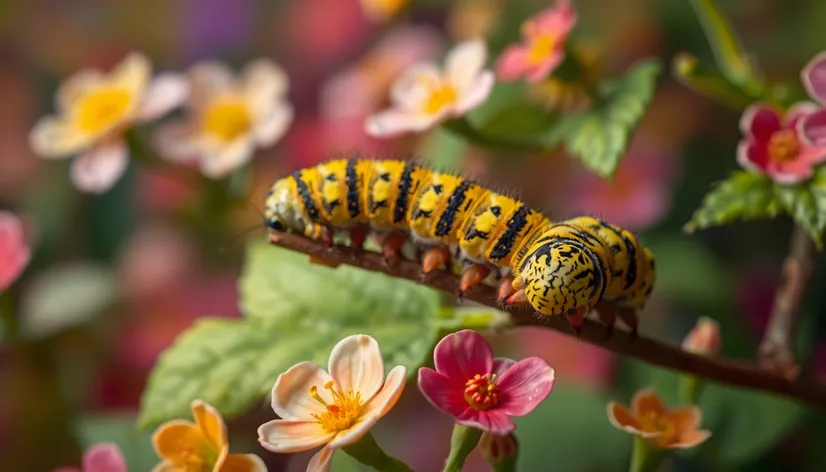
[(159, 192), (481, 391), (704, 338), (576, 361), (543, 48), (14, 249), (638, 197), (104, 457), (158, 259), (771, 144), (812, 128)]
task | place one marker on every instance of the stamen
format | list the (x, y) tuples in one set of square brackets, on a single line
[(481, 393)]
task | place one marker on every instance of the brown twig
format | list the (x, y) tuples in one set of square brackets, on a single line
[(776, 350), (731, 372)]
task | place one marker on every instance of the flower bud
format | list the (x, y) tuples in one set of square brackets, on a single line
[(498, 450), (704, 339)]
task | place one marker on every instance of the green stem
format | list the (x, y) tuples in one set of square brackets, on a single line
[(687, 69), (462, 442), (690, 388), (368, 452), (646, 457)]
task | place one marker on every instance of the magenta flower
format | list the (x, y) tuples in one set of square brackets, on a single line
[(772, 145), (543, 48), (105, 457), (813, 127), (481, 391), (14, 250)]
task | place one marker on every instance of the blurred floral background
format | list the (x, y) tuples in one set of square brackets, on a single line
[(115, 277)]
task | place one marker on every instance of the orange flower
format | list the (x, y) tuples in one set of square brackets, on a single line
[(200, 446), (649, 418)]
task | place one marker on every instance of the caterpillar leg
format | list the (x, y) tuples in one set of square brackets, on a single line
[(326, 237), (391, 247), (608, 316), (576, 318), (518, 298), (471, 276), (358, 235), (629, 316), (505, 289), (434, 258)]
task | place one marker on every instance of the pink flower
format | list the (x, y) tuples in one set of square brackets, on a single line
[(14, 250), (772, 145), (812, 128), (95, 110), (481, 391), (105, 457), (543, 48), (704, 339)]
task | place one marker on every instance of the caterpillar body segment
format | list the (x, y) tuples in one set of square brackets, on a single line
[(564, 268)]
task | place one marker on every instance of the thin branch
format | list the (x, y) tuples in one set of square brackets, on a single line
[(776, 351), (726, 371)]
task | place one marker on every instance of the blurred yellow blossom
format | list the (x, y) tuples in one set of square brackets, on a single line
[(94, 111), (228, 116), (382, 10)]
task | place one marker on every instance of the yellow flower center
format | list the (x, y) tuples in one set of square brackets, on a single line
[(783, 146), (541, 47), (441, 96), (342, 413), (655, 423), (101, 109), (196, 459), (481, 393), (227, 120)]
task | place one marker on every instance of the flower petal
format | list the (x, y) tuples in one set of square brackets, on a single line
[(243, 463), (208, 79), (53, 137), (76, 87), (812, 129), (176, 142), (512, 63), (691, 439), (797, 112), (322, 460), (524, 386), (685, 418), (760, 121), (752, 156), (209, 420), (165, 93), (540, 71), (813, 76), (476, 94), (647, 401), (620, 417), (14, 249), (165, 466), (391, 123), (292, 435), (463, 354), (291, 392), (175, 438), (265, 82), (501, 364), (100, 167), (375, 409), (492, 421), (272, 127), (104, 457), (227, 157), (356, 365), (132, 73), (444, 393), (464, 63), (558, 19), (413, 87)]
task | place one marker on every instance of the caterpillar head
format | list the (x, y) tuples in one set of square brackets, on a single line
[(561, 275), (282, 212)]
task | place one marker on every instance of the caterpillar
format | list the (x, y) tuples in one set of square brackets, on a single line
[(566, 268)]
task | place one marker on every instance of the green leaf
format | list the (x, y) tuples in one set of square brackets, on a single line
[(444, 151), (295, 312), (729, 54), (806, 203), (743, 196), (600, 135), (569, 418)]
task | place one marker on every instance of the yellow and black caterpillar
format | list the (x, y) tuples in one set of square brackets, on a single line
[(564, 268)]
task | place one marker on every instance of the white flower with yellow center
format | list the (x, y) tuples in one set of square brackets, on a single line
[(95, 109), (228, 116), (424, 95), (334, 409)]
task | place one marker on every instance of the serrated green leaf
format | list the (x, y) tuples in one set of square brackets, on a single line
[(743, 196), (296, 311), (806, 203), (600, 135)]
